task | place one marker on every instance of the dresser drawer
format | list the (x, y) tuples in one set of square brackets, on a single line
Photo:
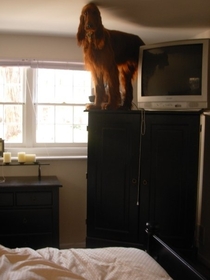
[(29, 211), (34, 198), (6, 199), (26, 221), (35, 241)]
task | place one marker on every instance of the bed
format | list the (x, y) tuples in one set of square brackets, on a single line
[(111, 263), (91, 264)]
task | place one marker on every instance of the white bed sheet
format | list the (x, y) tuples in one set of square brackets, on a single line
[(91, 264)]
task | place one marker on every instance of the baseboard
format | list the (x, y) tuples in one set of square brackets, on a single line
[(72, 245)]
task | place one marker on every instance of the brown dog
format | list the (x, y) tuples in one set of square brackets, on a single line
[(112, 58)]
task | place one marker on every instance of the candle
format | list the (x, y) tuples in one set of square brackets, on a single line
[(21, 157), (6, 157), (30, 158)]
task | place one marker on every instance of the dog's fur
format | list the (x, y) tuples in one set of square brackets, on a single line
[(112, 58)]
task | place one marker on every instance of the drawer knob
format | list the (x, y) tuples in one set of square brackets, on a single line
[(134, 181), (144, 182)]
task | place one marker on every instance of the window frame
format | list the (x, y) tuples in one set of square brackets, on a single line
[(42, 150)]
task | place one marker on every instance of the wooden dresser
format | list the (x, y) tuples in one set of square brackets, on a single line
[(29, 212)]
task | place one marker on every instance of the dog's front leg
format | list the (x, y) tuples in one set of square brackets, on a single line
[(113, 89), (100, 94)]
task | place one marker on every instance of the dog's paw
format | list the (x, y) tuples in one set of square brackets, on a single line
[(109, 106), (91, 106)]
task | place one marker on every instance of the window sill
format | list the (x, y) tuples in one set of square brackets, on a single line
[(61, 157), (51, 152)]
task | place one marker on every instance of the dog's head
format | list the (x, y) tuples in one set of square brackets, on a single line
[(90, 23), (91, 17)]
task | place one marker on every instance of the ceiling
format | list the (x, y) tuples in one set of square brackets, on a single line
[(152, 20)]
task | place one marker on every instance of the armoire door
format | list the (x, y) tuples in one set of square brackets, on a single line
[(169, 174), (112, 181)]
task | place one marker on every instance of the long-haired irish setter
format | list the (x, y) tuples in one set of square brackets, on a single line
[(112, 58)]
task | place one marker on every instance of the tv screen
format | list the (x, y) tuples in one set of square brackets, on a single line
[(174, 75), (172, 70)]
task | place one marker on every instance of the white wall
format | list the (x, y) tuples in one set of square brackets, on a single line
[(39, 47), (205, 34)]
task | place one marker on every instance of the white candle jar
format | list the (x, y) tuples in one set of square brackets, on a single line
[(6, 157), (21, 157), (30, 158)]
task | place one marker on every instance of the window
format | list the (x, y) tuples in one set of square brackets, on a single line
[(11, 106), (43, 107)]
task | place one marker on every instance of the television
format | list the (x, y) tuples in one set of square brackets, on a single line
[(174, 76)]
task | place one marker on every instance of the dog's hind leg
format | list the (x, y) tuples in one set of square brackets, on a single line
[(127, 102), (127, 75), (127, 90)]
